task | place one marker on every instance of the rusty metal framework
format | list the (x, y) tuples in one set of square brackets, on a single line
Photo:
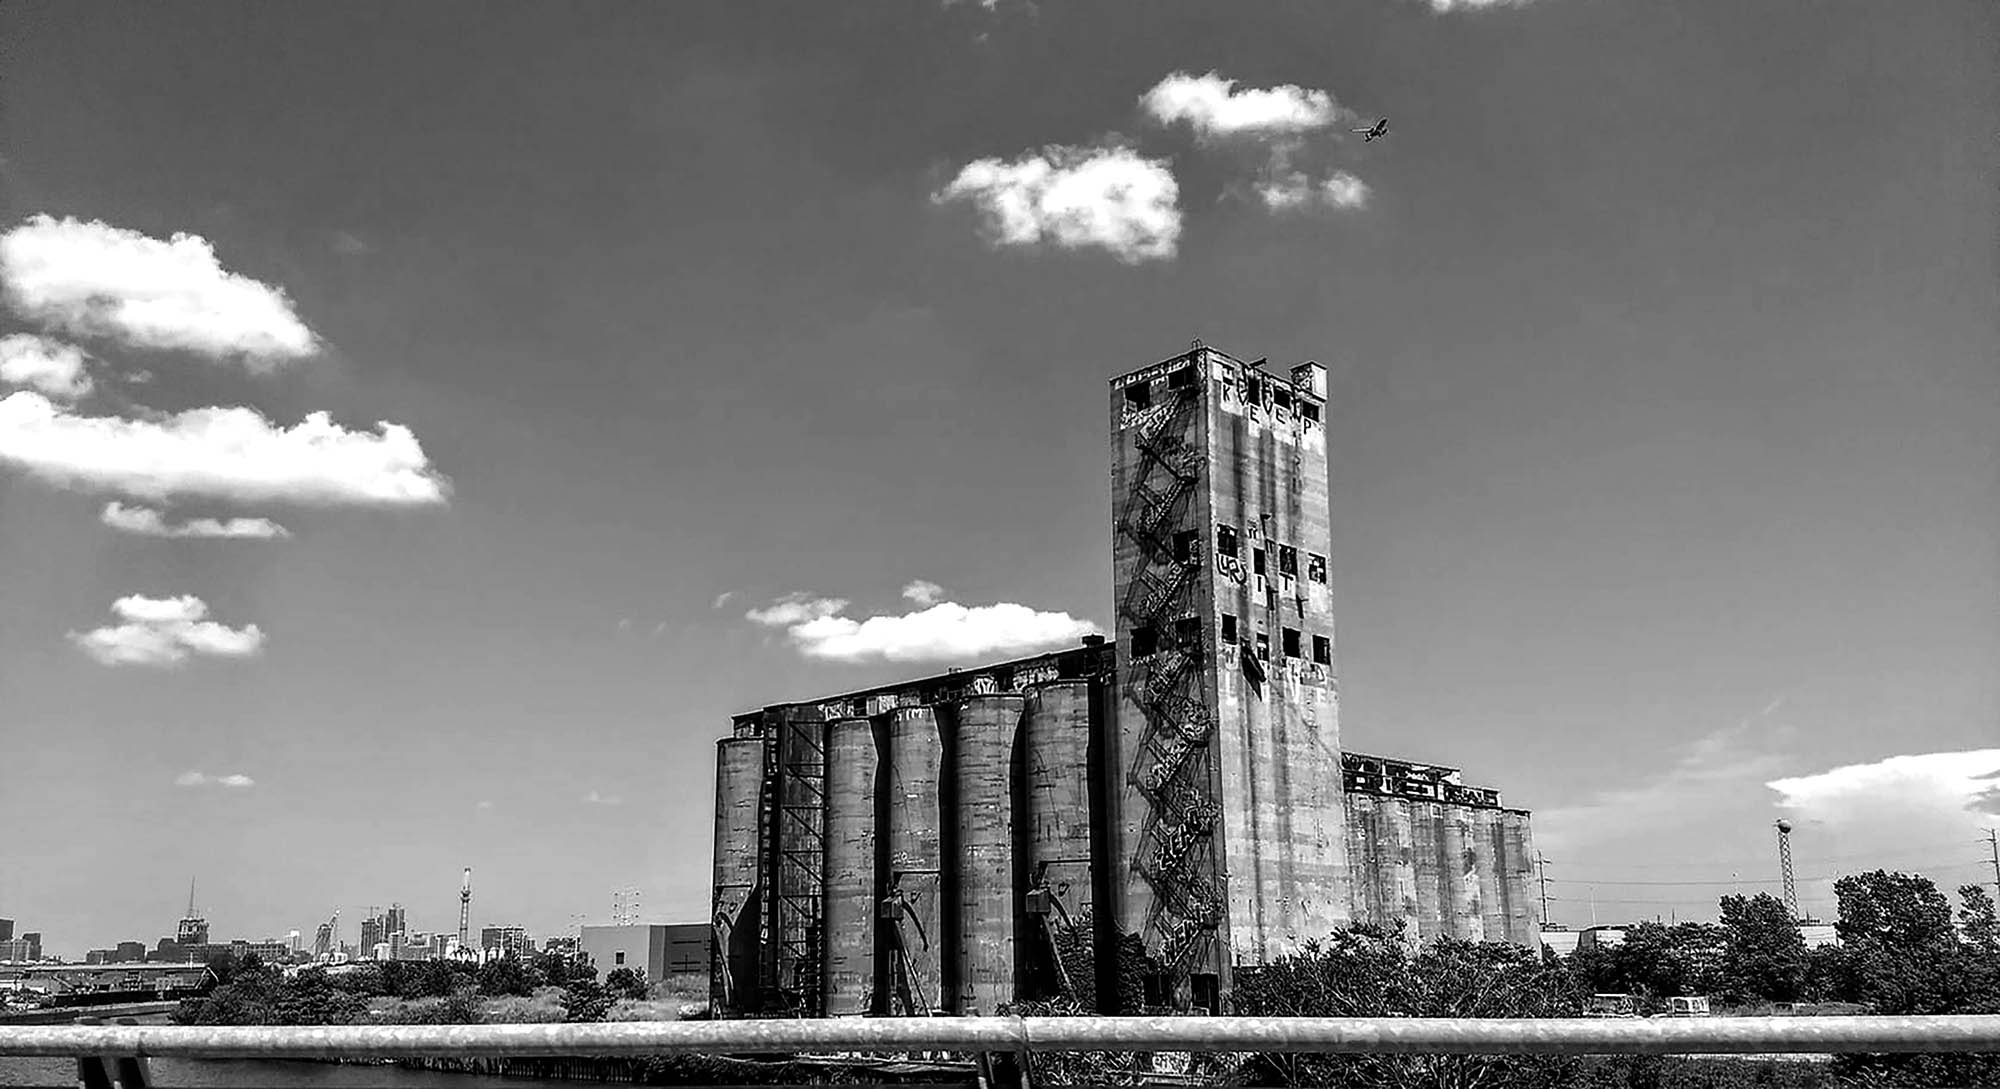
[(798, 810), (1176, 852)]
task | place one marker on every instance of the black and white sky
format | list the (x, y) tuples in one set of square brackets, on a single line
[(421, 426)]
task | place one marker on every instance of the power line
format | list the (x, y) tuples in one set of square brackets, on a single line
[(1749, 880), (1816, 860)]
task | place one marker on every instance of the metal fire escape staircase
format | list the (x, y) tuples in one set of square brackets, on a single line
[(1176, 853)]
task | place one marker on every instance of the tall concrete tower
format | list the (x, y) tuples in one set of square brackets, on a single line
[(1229, 833)]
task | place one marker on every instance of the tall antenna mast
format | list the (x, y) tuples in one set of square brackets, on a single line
[(465, 908), (1785, 867), (190, 913)]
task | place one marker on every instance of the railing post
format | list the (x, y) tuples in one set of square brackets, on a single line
[(97, 1071)]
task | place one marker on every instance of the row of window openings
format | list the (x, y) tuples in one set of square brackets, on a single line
[(1288, 557), (1140, 394), (1187, 631)]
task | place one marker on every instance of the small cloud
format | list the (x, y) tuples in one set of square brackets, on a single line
[(348, 245), (944, 631), (1108, 198), (659, 629), (795, 609), (147, 522), (722, 599), (223, 453), (1215, 110), (197, 779), (594, 798), (624, 623), (93, 279), (483, 805), (48, 365), (923, 592), (165, 632), (1294, 191)]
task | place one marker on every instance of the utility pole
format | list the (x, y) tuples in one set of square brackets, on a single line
[(465, 908), (1993, 845), (1542, 876)]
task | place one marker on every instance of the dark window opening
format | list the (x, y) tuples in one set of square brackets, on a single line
[(1256, 561), (1263, 646), (1315, 567), (1228, 628), (1184, 545), (1225, 540), (1253, 390), (1309, 410), (618, 957), (1139, 394), (1144, 641), (1281, 397), (1288, 561), (1322, 650), (1206, 990), (1181, 379), (1291, 642), (1187, 634)]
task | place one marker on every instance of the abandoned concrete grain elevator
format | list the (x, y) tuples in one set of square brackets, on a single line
[(942, 844)]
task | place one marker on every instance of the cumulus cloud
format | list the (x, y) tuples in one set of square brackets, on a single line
[(1215, 110), (1293, 191), (945, 631), (94, 279), (1473, 5), (795, 609), (48, 365), (594, 798), (1921, 794), (923, 592), (223, 453), (722, 599), (165, 632), (1109, 198), (147, 522), (197, 779)]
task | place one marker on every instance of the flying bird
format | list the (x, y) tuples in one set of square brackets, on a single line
[(1380, 128)]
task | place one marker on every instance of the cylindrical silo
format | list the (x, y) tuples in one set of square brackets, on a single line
[(982, 748), (1426, 853), (1401, 887), (1362, 888), (1490, 857), (913, 912), (739, 778), (1461, 880), (848, 873), (1055, 818), (1517, 875)]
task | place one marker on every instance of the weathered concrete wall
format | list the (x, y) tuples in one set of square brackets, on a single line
[(1517, 869), (1426, 852), (739, 777), (1486, 866), (914, 859), (980, 753), (1054, 828), (1278, 737), (848, 969)]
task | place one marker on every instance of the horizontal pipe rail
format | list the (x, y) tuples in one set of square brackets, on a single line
[(1352, 1035)]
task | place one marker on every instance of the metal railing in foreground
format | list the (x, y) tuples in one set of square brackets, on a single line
[(1018, 1036)]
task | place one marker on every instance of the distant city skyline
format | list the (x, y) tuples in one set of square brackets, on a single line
[(421, 430)]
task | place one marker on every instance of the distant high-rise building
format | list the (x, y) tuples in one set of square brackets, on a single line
[(21, 950), (395, 922), (34, 940), (6, 929), (371, 934), (505, 941), (131, 952)]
